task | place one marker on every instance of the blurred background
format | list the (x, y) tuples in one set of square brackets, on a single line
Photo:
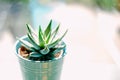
[(14, 14), (92, 41)]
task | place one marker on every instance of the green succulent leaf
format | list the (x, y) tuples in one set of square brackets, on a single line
[(58, 50), (33, 42), (45, 51), (60, 47), (55, 33), (48, 38), (35, 55), (53, 44), (63, 35), (48, 29), (47, 32), (41, 37), (25, 43), (32, 33), (30, 30)]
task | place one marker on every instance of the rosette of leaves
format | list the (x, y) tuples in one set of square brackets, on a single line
[(43, 45)]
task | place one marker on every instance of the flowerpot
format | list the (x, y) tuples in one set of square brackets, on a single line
[(40, 70)]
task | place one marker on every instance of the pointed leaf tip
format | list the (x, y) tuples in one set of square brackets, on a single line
[(48, 29), (41, 37)]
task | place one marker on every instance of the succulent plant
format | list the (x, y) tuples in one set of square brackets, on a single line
[(44, 44)]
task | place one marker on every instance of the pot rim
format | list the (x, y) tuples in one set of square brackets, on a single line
[(19, 56)]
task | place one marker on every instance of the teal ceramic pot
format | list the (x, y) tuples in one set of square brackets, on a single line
[(40, 70)]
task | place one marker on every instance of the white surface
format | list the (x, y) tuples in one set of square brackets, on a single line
[(73, 68), (89, 56), (91, 72)]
